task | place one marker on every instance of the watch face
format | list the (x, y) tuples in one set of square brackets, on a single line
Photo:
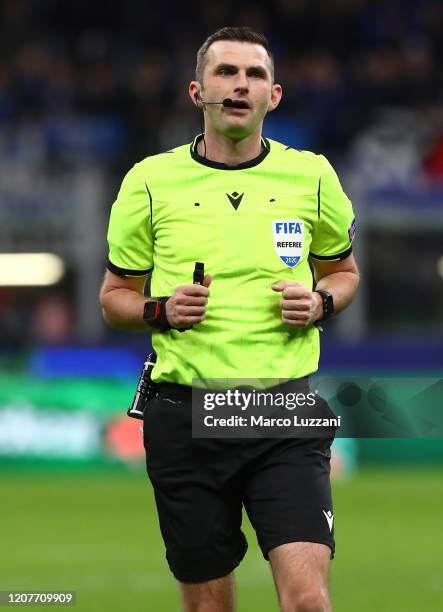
[(328, 304), (152, 310)]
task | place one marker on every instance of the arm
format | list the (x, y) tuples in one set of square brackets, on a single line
[(131, 250), (341, 278), (302, 307), (123, 302)]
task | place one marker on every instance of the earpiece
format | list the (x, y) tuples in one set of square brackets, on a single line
[(198, 99)]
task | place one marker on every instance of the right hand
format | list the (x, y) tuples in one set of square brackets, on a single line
[(187, 305)]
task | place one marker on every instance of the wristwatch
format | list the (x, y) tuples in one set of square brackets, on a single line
[(328, 304), (154, 313)]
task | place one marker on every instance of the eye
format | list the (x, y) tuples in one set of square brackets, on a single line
[(225, 71), (257, 74)]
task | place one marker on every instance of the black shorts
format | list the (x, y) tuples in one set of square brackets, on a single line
[(200, 486)]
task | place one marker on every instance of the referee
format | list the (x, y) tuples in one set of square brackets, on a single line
[(257, 213)]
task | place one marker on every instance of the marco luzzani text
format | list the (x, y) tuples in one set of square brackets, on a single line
[(247, 400)]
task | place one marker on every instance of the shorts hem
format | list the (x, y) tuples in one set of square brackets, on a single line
[(206, 576), (290, 540)]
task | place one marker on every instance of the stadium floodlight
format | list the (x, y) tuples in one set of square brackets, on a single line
[(30, 269)]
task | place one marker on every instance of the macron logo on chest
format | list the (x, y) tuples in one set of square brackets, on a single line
[(235, 198), (288, 235)]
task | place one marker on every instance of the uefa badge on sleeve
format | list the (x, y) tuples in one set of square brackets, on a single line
[(288, 237), (351, 231)]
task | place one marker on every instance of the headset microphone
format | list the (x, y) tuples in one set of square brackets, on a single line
[(227, 102)]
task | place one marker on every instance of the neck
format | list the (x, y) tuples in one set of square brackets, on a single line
[(224, 150)]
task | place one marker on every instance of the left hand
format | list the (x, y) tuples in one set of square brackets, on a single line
[(300, 307)]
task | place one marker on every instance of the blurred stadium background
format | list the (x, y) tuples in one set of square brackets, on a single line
[(88, 88)]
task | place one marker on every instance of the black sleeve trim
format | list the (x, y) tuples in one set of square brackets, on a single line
[(150, 202), (124, 272), (342, 255), (319, 198)]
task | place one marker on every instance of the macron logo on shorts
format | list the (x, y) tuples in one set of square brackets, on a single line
[(330, 518)]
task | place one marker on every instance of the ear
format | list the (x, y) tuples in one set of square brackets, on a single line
[(194, 92), (276, 95)]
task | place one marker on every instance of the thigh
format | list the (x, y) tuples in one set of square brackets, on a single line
[(301, 571), (199, 506), (288, 494)]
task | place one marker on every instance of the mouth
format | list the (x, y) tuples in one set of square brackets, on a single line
[(240, 104)]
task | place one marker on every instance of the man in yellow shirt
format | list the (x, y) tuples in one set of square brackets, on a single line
[(256, 212)]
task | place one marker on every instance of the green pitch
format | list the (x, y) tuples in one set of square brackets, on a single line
[(96, 533)]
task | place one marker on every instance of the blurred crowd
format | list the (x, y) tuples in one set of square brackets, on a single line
[(108, 81), (95, 84)]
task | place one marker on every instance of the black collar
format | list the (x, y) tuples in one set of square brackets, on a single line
[(213, 164)]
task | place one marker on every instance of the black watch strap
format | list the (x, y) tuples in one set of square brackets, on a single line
[(154, 313), (328, 304)]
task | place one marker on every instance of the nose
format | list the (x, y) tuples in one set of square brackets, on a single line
[(241, 82)]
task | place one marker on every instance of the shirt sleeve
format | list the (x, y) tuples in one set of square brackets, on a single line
[(130, 232), (334, 229)]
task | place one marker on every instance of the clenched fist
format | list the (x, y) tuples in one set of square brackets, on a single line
[(187, 305), (300, 307)]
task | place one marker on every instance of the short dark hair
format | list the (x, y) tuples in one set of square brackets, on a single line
[(239, 34)]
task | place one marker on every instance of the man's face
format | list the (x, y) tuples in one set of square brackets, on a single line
[(240, 71)]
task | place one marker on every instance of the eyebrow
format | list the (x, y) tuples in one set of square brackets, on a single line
[(234, 68)]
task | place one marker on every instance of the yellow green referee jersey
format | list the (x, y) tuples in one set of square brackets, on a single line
[(252, 225)]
